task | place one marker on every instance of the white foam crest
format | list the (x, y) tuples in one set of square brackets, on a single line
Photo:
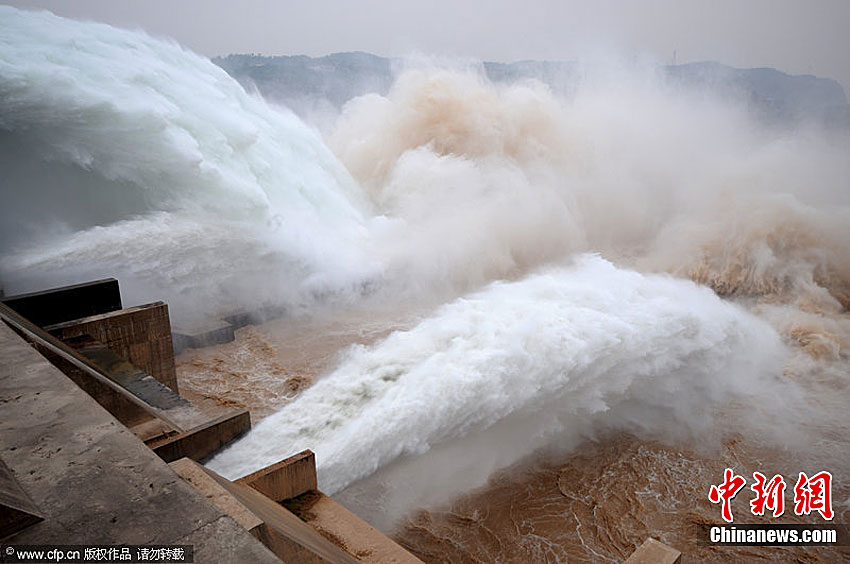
[(157, 128), (546, 357)]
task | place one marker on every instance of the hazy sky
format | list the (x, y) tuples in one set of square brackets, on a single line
[(797, 36)]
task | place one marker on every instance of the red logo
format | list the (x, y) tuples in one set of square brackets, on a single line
[(814, 494), (730, 487), (771, 497), (810, 494)]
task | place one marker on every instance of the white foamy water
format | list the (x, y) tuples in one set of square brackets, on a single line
[(554, 354), (125, 155)]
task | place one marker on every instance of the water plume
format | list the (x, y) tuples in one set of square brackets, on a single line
[(131, 156), (518, 365)]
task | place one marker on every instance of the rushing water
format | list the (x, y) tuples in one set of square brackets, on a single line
[(634, 258)]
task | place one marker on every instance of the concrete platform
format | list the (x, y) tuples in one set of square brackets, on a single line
[(92, 480), (219, 331), (208, 333)]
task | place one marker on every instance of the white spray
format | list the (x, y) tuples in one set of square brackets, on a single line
[(129, 156), (515, 366)]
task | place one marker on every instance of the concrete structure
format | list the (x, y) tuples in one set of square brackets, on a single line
[(69, 302), (256, 317), (288, 478), (17, 511), (86, 462), (214, 332), (219, 331), (281, 506), (122, 404), (286, 535), (136, 399), (292, 483), (141, 335), (347, 530), (654, 552), (91, 479), (202, 442)]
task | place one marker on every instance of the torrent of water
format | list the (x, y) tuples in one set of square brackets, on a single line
[(633, 257)]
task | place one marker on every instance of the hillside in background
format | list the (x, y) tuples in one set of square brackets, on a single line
[(307, 84)]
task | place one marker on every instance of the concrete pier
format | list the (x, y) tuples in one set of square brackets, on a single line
[(212, 332), (220, 331), (201, 442), (287, 479)]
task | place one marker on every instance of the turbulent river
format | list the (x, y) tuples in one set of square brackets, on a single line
[(550, 321)]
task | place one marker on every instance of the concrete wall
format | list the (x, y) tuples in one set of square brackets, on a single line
[(117, 402), (292, 484), (69, 302), (202, 442), (93, 481), (140, 334), (285, 479)]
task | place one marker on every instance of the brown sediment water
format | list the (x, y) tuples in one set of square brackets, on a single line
[(600, 503), (230, 375), (267, 365)]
